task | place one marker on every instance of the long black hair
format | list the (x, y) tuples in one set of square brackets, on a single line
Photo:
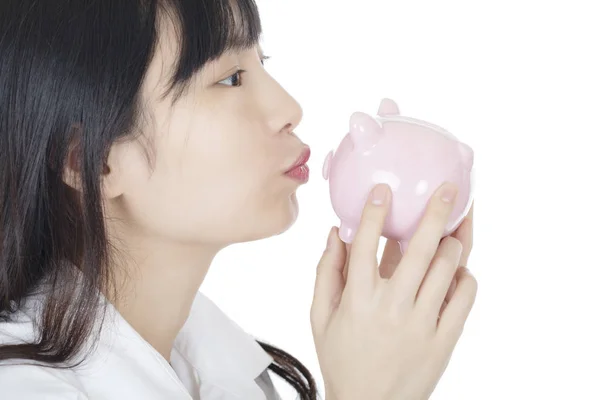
[(71, 72)]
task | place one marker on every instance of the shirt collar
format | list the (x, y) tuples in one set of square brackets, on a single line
[(217, 347), (226, 359)]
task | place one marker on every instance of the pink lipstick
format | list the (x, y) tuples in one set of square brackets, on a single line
[(300, 171)]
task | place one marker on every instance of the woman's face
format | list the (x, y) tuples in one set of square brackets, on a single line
[(219, 155)]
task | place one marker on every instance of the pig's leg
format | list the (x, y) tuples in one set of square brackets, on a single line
[(347, 232)]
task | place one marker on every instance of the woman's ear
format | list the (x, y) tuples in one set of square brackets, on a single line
[(72, 168), (110, 176)]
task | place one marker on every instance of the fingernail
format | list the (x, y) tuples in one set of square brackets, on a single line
[(379, 194), (448, 193)]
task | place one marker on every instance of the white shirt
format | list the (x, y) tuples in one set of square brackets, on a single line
[(212, 359)]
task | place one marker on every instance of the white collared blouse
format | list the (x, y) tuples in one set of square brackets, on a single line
[(212, 359)]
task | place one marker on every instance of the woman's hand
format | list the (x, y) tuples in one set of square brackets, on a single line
[(389, 333), (392, 254)]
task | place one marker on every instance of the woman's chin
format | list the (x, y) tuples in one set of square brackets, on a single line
[(290, 215), (281, 218), (278, 219)]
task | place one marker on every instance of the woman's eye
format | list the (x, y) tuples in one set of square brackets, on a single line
[(234, 80)]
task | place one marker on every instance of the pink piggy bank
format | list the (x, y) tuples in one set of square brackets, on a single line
[(413, 157)]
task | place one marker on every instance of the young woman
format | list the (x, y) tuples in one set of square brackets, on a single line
[(137, 139)]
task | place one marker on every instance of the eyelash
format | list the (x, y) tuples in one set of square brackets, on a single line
[(239, 73)]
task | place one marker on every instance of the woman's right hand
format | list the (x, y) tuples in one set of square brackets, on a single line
[(390, 338)]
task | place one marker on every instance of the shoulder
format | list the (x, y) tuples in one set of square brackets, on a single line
[(37, 382), (26, 379)]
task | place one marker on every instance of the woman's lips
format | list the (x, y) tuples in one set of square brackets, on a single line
[(299, 171)]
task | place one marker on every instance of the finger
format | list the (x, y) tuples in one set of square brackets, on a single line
[(454, 317), (452, 289), (424, 243), (390, 259), (362, 267), (329, 282), (439, 277), (464, 233), (348, 247), (449, 295), (444, 304)]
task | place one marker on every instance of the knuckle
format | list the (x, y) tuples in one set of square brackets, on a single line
[(453, 242), (319, 271), (416, 245), (370, 216), (454, 246), (353, 307), (469, 287), (468, 237), (468, 247), (391, 317), (472, 285), (451, 251), (323, 263), (362, 258), (438, 210)]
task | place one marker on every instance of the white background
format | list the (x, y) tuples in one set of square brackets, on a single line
[(519, 82)]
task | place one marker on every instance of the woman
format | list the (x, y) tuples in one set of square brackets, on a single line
[(139, 138)]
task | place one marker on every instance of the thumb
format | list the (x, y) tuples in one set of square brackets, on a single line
[(329, 282)]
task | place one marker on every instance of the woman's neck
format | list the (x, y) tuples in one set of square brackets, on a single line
[(156, 288)]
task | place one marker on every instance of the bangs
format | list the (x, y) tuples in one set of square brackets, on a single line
[(209, 28)]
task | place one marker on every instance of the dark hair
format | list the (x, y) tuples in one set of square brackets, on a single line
[(71, 72)]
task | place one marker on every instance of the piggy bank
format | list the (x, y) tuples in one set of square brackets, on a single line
[(412, 156)]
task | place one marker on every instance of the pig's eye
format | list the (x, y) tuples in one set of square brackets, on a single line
[(234, 80)]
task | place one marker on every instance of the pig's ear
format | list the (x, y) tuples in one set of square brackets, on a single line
[(467, 154), (388, 107), (364, 130)]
